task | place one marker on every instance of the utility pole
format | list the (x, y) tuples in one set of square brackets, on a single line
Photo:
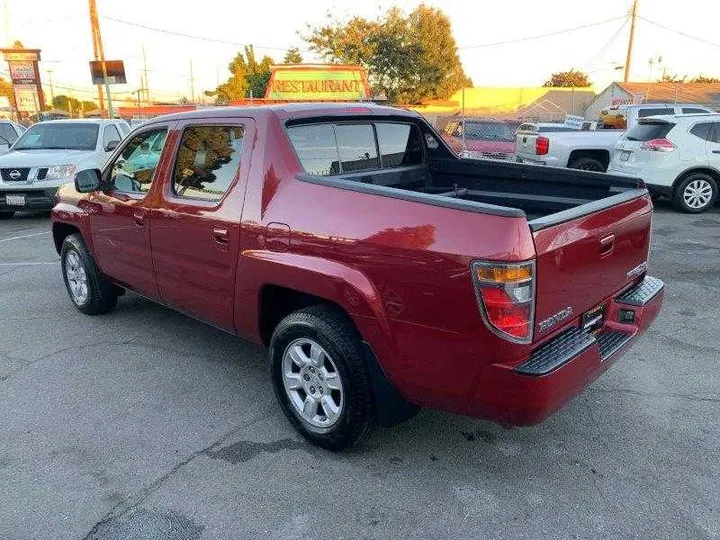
[(192, 84), (138, 92), (52, 87), (145, 84), (99, 55), (628, 58)]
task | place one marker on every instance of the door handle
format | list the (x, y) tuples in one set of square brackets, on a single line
[(220, 235), (139, 219), (716, 151), (607, 243)]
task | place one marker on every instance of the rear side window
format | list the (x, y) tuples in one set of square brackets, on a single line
[(649, 130), (644, 113), (399, 144), (690, 110), (356, 147), (715, 134), (316, 147), (702, 130), (207, 162)]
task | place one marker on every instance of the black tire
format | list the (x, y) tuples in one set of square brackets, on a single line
[(587, 164), (6, 215), (101, 294), (335, 333), (701, 179)]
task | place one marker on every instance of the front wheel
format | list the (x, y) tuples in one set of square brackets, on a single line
[(320, 377), (89, 290), (696, 193)]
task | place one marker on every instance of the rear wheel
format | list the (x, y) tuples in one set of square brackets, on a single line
[(320, 377), (89, 290), (696, 193), (6, 215), (587, 164)]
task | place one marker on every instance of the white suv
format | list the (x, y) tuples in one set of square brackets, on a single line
[(677, 156)]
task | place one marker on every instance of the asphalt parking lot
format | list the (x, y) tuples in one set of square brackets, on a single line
[(145, 424)]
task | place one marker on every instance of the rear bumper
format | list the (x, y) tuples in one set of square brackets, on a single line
[(35, 199), (529, 392)]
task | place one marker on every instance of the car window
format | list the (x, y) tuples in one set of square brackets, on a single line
[(207, 162), (715, 133), (356, 147), (124, 128), (133, 170), (110, 134), (400, 144), (7, 132), (647, 131), (644, 113), (488, 131), (702, 130), (690, 110)]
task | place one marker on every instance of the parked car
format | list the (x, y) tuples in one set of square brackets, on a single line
[(626, 117), (480, 139), (382, 271), (9, 133), (47, 156), (677, 156), (591, 150)]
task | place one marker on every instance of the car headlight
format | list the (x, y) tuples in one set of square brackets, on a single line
[(60, 171)]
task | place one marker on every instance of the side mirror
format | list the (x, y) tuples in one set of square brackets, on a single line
[(88, 180), (112, 145)]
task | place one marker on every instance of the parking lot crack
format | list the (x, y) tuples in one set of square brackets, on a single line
[(134, 500)]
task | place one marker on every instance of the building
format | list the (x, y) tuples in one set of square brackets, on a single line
[(621, 93)]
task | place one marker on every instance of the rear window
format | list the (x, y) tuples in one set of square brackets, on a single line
[(328, 149), (690, 110), (647, 131), (644, 113)]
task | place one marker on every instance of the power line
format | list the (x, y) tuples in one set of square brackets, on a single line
[(673, 30), (540, 36), (607, 44), (200, 38)]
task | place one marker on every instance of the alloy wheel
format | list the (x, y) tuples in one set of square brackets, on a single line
[(697, 194), (76, 277)]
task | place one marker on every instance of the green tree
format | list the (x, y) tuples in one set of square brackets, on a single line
[(409, 58), (6, 90), (66, 103), (702, 79), (572, 78), (293, 56), (246, 75), (86, 105)]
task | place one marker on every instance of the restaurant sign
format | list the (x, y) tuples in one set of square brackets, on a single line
[(318, 83)]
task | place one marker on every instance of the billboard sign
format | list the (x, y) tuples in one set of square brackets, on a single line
[(317, 83), (22, 72), (25, 77), (115, 72), (26, 98)]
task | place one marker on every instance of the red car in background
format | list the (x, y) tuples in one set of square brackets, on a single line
[(481, 138)]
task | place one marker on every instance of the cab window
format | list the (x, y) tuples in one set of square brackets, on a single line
[(133, 170)]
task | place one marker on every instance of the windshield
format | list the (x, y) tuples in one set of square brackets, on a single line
[(60, 136), (488, 131)]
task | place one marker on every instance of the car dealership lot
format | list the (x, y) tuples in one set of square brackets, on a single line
[(147, 424)]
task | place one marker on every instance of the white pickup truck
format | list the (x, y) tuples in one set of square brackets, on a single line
[(588, 150)]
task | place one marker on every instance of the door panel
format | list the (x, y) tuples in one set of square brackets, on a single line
[(195, 232)]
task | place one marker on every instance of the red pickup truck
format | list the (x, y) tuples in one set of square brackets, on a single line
[(382, 271)]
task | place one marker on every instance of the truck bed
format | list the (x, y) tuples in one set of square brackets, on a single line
[(544, 195)]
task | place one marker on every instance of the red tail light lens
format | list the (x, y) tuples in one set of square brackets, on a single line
[(658, 145), (506, 294), (542, 146)]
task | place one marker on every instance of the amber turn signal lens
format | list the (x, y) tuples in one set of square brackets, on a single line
[(503, 274)]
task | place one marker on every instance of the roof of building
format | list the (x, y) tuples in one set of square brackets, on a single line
[(672, 92)]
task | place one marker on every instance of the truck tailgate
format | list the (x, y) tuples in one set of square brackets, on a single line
[(582, 261)]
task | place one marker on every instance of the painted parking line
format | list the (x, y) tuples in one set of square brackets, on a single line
[(23, 236)]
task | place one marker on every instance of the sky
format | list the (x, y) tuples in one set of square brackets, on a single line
[(62, 31)]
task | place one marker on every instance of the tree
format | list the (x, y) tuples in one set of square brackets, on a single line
[(246, 75), (66, 103), (293, 56), (572, 78), (409, 58), (670, 78), (702, 79), (86, 105), (6, 90)]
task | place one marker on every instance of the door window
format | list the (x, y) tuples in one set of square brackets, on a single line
[(715, 133), (110, 134), (134, 168), (356, 146), (644, 113), (690, 110), (208, 161), (7, 133)]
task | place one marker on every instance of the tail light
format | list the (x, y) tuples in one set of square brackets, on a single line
[(506, 294), (658, 145), (542, 146)]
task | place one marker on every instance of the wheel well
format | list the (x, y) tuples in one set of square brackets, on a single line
[(277, 302), (715, 175), (60, 232), (603, 156)]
